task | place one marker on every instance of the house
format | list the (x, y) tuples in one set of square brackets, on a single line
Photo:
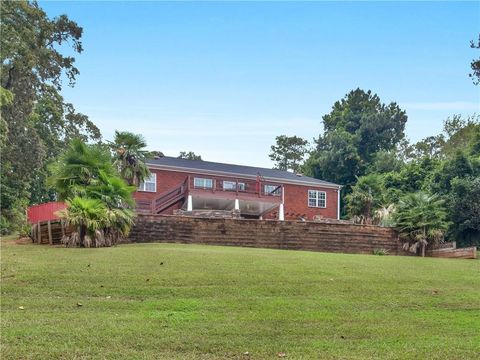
[(257, 193)]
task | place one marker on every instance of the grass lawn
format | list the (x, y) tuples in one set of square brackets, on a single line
[(172, 301)]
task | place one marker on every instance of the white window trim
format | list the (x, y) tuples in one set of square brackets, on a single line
[(274, 186), (202, 187), (142, 186), (317, 199), (234, 185)]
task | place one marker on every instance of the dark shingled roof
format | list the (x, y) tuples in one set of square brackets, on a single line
[(214, 167)]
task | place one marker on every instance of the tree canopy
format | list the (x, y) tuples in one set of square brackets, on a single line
[(475, 64), (190, 155), (366, 198), (289, 152), (358, 127), (130, 154), (363, 147), (451, 173), (36, 122)]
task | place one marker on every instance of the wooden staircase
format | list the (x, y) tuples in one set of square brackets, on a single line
[(164, 200)]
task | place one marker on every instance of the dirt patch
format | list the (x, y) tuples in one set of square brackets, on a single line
[(18, 241)]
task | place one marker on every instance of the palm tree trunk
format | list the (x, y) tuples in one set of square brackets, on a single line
[(423, 242), (368, 220), (81, 235)]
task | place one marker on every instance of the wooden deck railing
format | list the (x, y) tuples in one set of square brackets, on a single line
[(164, 200), (220, 185), (238, 186)]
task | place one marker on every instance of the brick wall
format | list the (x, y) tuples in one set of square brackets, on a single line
[(296, 196), (296, 203), (296, 235), (166, 180)]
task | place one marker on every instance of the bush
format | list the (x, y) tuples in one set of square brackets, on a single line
[(4, 226), (380, 252), (13, 220)]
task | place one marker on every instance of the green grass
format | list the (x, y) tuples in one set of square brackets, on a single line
[(208, 302)]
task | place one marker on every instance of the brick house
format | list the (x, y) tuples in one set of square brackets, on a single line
[(256, 192)]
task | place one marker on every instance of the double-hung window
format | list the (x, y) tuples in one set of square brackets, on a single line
[(273, 190), (232, 186), (203, 183), (149, 184), (317, 199)]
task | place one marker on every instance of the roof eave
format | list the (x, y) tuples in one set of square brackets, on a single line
[(248, 176)]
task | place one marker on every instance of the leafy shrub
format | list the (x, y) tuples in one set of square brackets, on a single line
[(13, 219), (380, 252), (4, 226)]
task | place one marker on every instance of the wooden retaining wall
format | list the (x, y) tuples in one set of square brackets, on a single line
[(449, 250), (48, 232), (295, 235)]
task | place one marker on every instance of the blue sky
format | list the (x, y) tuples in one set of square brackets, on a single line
[(223, 79)]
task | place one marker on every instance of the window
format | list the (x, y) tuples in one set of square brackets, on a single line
[(317, 199), (273, 190), (149, 184), (231, 185), (203, 183)]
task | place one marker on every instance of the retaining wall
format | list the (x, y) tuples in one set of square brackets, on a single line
[(295, 235), (49, 232)]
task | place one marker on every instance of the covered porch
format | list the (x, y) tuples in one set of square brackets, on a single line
[(250, 207), (251, 198)]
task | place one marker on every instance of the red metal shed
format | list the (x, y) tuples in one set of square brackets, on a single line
[(44, 212)]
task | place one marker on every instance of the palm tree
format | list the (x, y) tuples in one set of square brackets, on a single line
[(420, 219), (79, 166), (87, 217), (130, 156), (103, 216), (100, 203), (116, 194), (366, 197), (384, 216), (112, 190)]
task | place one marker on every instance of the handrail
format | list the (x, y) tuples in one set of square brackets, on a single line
[(168, 196), (171, 196), (247, 187)]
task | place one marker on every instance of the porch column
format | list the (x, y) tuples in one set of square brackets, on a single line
[(281, 215), (237, 204), (189, 203)]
